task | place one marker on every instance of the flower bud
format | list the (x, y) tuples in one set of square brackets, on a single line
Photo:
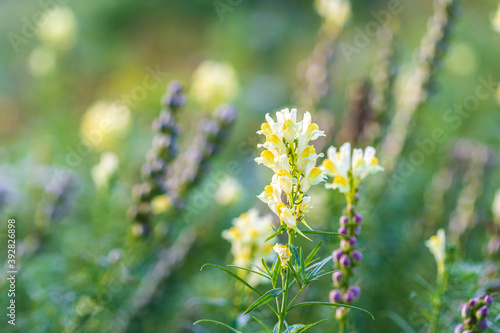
[(345, 261), (483, 312), (357, 230), (473, 302), (352, 241), (488, 300), (467, 331), (343, 230), (356, 196), (336, 277), (356, 290), (357, 256), (459, 328), (465, 310), (482, 324), (350, 208), (337, 254), (349, 297), (344, 220), (357, 218), (469, 321), (335, 296), (344, 245), (341, 313)]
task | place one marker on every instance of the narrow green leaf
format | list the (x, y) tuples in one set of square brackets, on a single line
[(296, 276), (264, 299), (276, 270), (329, 304), (250, 270), (234, 276), (313, 253), (279, 231), (264, 264), (295, 254), (319, 266), (303, 328), (323, 233), (216, 323), (302, 265), (267, 328)]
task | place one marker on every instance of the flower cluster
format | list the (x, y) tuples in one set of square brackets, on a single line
[(475, 313), (247, 237), (347, 171), (293, 161)]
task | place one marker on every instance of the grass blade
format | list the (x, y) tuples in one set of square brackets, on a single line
[(217, 323)]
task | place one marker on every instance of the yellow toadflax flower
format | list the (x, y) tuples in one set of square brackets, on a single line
[(284, 254), (288, 153), (437, 246), (103, 172), (334, 12), (247, 237), (340, 165), (104, 124), (214, 83)]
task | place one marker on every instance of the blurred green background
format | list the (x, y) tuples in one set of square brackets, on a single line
[(46, 88)]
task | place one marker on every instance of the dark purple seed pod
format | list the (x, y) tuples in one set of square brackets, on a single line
[(342, 230), (337, 254), (459, 328), (335, 296), (337, 277), (483, 312), (356, 291), (357, 230), (343, 220), (482, 324), (345, 261), (357, 218), (465, 310), (357, 256), (487, 300), (349, 297)]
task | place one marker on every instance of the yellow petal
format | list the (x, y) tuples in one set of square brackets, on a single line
[(374, 162), (315, 173), (340, 180), (329, 165)]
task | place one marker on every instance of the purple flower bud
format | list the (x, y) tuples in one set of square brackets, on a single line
[(465, 310), (335, 296), (345, 261), (469, 321), (357, 218), (336, 277), (357, 256), (356, 196), (459, 328), (344, 245), (482, 324), (350, 208), (467, 331), (349, 297), (343, 220), (337, 254), (483, 312), (473, 302), (488, 300), (357, 230), (341, 312), (343, 230), (352, 241), (356, 291)]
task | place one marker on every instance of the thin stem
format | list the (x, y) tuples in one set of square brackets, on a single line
[(342, 326), (438, 302)]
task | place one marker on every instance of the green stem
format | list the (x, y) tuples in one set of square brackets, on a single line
[(438, 302), (342, 325), (282, 316)]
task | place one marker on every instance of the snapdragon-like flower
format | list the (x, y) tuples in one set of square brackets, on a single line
[(437, 246), (341, 166), (247, 237), (105, 170), (284, 254), (288, 153)]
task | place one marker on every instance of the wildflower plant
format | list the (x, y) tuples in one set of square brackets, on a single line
[(347, 169), (288, 154)]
